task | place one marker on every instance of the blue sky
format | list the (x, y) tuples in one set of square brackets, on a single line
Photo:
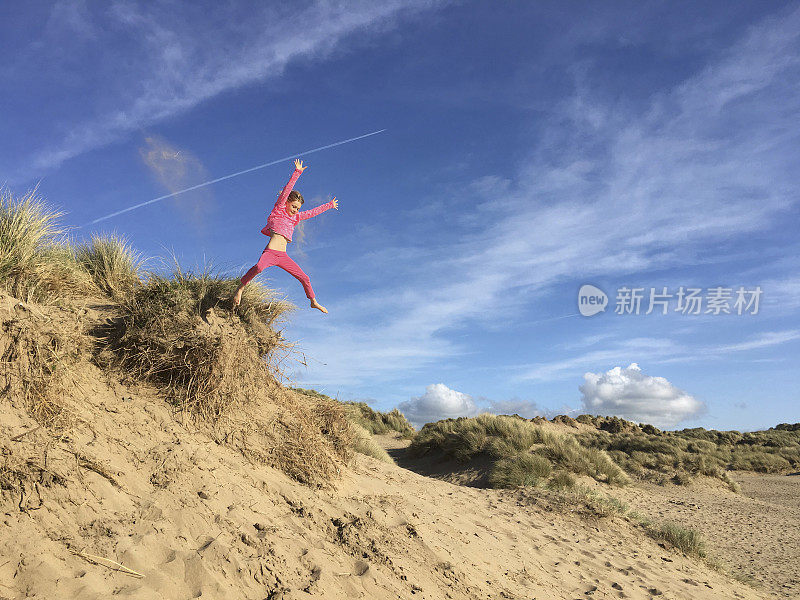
[(530, 148)]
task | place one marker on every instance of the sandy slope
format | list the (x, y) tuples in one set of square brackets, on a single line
[(756, 532), (197, 520)]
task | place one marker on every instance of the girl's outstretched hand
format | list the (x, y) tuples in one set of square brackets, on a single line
[(298, 164), (335, 203)]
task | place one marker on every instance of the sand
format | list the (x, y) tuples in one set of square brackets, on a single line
[(756, 533), (132, 484)]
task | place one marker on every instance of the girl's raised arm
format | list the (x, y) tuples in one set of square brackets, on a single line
[(298, 168), (307, 214)]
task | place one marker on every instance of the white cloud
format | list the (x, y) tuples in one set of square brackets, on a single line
[(438, 402), (629, 393)]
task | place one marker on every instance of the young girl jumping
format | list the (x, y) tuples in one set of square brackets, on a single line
[(280, 225)]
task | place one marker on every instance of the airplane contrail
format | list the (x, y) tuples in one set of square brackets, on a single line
[(224, 177)]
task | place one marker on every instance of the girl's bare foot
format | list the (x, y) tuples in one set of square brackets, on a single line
[(317, 305), (237, 297)]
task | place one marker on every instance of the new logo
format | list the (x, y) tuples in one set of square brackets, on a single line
[(591, 300)]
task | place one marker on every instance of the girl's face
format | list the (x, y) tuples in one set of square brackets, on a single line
[(293, 207)]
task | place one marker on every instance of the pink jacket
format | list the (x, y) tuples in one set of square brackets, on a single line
[(280, 221)]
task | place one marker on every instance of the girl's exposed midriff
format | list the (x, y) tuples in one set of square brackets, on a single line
[(277, 241)]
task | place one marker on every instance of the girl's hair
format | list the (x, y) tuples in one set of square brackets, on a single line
[(295, 195)]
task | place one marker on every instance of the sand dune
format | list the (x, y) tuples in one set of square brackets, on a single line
[(197, 520)]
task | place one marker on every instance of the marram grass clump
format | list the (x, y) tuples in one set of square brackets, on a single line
[(377, 422), (218, 364), (522, 469), (374, 421), (521, 451), (364, 443), (112, 263), (180, 333), (687, 540), (681, 456), (367, 422), (36, 262)]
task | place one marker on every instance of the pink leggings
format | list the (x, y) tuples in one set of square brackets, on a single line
[(281, 259)]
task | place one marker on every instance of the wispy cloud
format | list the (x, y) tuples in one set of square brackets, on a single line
[(782, 293), (643, 350), (763, 340), (175, 169), (607, 191), (650, 351), (176, 57)]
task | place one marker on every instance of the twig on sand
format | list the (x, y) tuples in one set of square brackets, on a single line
[(108, 563), (208, 542), (17, 438)]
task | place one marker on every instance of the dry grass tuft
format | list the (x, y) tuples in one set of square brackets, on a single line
[(180, 333), (36, 263), (686, 540), (112, 263), (306, 438), (37, 351), (216, 364), (366, 422)]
